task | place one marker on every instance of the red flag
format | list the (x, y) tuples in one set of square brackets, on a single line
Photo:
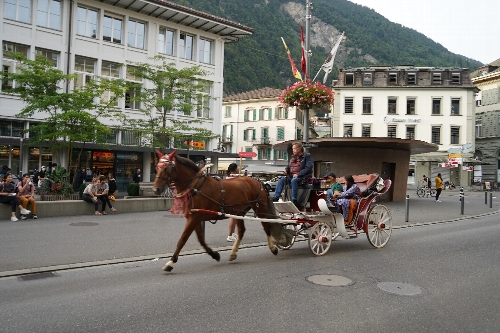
[(303, 51), (295, 72)]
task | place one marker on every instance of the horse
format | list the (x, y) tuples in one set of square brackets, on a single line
[(198, 193)]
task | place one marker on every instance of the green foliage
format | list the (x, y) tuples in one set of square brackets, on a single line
[(133, 189), (260, 60), (55, 183), (172, 90)]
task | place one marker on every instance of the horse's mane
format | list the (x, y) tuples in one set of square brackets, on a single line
[(188, 163)]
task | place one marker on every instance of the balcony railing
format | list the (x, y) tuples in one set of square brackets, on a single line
[(262, 142), (227, 138)]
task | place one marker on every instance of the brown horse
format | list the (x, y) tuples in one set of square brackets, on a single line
[(196, 190)]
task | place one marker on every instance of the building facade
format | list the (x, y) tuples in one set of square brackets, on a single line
[(434, 105), (255, 121), (96, 39), (487, 124)]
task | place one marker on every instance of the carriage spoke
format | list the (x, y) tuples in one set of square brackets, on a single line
[(320, 238), (379, 226)]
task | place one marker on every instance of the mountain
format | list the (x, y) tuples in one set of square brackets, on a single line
[(261, 61)]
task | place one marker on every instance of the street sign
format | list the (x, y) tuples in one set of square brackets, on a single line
[(247, 154), (455, 150), (309, 145)]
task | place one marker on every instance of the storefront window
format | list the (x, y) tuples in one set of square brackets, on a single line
[(126, 163)]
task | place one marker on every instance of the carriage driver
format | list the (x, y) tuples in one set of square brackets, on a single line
[(299, 169)]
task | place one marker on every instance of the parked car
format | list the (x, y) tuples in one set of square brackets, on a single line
[(270, 185)]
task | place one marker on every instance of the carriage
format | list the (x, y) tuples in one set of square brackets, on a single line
[(202, 197)]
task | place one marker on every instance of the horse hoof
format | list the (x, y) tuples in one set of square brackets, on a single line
[(232, 257), (275, 251), (167, 268), (216, 256)]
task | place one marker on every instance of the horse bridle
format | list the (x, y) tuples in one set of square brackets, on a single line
[(164, 162)]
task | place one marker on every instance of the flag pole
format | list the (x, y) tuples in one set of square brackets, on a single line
[(308, 53)]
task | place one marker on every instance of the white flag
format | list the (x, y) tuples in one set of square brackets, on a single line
[(328, 64)]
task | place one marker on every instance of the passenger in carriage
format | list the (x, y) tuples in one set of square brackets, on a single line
[(334, 191), (351, 191), (299, 169)]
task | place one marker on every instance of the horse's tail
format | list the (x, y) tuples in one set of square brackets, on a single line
[(281, 235)]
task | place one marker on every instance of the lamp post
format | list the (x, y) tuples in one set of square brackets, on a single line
[(307, 55)]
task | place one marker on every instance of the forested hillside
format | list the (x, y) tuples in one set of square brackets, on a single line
[(260, 60)]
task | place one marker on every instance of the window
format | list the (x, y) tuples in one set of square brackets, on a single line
[(136, 34), (130, 138), (410, 106), (348, 105), (49, 14), (392, 131), (281, 134), (166, 41), (298, 134), (436, 78), (18, 10), (455, 78), (436, 135), (479, 128), (112, 29), (11, 128), (410, 132), (367, 78), (227, 133), (110, 70), (280, 155), (264, 134), (366, 130), (393, 79), (205, 51), (52, 57), (249, 134), (133, 86), (367, 105), (228, 112), (436, 106), (203, 106), (264, 153), (86, 22), (9, 64), (412, 79), (347, 130), (455, 106), (85, 70), (299, 116), (282, 113), (391, 105), (186, 46), (455, 135), (349, 78)]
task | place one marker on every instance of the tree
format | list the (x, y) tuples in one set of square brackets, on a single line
[(168, 90), (69, 117)]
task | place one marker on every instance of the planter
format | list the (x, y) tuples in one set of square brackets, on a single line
[(58, 197)]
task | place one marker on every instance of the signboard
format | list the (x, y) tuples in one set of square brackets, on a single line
[(309, 145), (468, 168), (247, 154), (455, 159)]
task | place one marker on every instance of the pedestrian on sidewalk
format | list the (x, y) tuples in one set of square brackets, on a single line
[(8, 197), (439, 186), (26, 195)]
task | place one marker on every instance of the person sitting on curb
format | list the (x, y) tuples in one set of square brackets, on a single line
[(26, 195), (90, 195), (8, 196), (334, 191), (102, 193)]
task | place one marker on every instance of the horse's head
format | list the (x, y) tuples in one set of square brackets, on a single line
[(164, 170)]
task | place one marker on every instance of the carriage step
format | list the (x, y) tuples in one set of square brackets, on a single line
[(353, 236)]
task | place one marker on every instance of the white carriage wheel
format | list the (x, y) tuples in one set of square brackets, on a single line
[(320, 238), (379, 226), (292, 227)]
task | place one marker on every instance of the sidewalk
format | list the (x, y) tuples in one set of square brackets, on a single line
[(64, 242)]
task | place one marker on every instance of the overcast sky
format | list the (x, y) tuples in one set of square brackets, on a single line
[(467, 27)]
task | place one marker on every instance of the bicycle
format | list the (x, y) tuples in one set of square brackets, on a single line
[(424, 191)]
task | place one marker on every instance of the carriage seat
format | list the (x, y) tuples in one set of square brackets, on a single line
[(367, 183)]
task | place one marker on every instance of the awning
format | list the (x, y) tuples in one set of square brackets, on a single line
[(264, 168), (444, 159)]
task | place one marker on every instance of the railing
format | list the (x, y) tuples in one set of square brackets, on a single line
[(227, 138), (262, 141)]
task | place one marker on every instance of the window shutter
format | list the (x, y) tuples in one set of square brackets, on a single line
[(286, 113), (245, 135), (258, 153), (260, 114), (253, 134), (245, 115), (231, 132), (285, 156), (274, 154), (268, 154), (254, 114), (275, 113), (270, 113)]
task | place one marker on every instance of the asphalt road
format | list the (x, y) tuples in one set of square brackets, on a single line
[(431, 278)]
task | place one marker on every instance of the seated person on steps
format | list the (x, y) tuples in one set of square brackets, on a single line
[(299, 168), (351, 191), (334, 191)]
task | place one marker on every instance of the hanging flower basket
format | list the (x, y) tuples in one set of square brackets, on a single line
[(307, 95)]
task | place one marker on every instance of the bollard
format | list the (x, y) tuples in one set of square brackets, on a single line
[(491, 199), (462, 200), (485, 197), (407, 213)]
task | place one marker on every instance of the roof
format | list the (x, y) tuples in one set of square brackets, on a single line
[(172, 12), (261, 93)]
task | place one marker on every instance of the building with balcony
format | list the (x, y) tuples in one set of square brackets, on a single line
[(256, 121), (434, 105), (96, 38), (487, 123)]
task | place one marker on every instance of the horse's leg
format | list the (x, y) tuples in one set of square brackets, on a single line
[(188, 230), (201, 238), (240, 224), (270, 240)]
